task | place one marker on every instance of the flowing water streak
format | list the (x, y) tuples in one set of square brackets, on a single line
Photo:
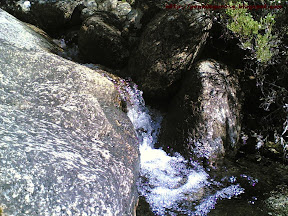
[(169, 184)]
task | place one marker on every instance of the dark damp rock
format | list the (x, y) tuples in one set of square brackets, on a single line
[(150, 8), (204, 117), (143, 208), (262, 181), (71, 36), (168, 46), (143, 12), (50, 15), (222, 48), (66, 148), (100, 40), (133, 19)]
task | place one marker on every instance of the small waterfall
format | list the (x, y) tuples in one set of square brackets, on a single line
[(171, 184), (174, 186)]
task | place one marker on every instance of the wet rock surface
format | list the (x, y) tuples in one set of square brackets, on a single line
[(168, 46), (265, 182), (205, 115), (66, 147)]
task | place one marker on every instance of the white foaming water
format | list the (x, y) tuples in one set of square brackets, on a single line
[(25, 5), (171, 185)]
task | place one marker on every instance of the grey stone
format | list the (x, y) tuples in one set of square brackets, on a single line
[(123, 9), (66, 147), (22, 36), (168, 46), (203, 121)]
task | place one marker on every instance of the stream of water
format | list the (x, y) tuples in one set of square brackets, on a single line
[(174, 186), (170, 184)]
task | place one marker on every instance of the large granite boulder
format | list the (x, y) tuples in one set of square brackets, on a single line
[(66, 147), (204, 117), (168, 46), (100, 40), (24, 36)]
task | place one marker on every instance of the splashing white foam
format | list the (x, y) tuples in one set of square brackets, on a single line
[(25, 5), (169, 184)]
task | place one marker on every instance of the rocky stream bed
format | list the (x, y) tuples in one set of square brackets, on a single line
[(126, 108)]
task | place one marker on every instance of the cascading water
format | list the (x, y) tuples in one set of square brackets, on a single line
[(173, 186), (170, 184)]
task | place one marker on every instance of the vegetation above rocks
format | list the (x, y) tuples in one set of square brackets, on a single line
[(248, 30), (262, 37)]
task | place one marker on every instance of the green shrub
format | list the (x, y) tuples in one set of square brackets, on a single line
[(264, 32), (253, 34)]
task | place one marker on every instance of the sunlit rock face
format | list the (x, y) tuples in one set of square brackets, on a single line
[(204, 117), (66, 148), (19, 34), (168, 46)]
